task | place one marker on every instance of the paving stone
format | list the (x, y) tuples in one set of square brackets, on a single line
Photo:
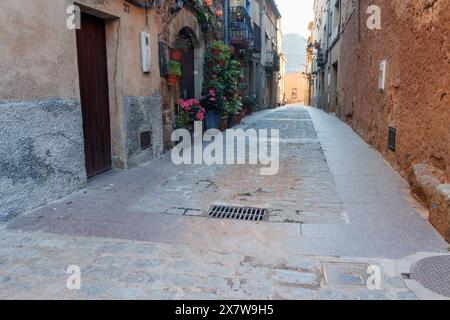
[(294, 278), (129, 247)]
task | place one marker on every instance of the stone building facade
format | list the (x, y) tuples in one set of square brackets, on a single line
[(413, 40), (47, 132), (326, 34), (255, 29), (393, 86)]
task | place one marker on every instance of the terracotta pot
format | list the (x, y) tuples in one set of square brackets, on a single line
[(176, 54), (172, 80), (237, 118), (248, 109), (223, 123)]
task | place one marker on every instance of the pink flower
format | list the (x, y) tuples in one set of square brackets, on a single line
[(200, 116), (212, 92)]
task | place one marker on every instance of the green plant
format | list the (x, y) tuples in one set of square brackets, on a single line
[(249, 99), (232, 107), (220, 51), (203, 14), (182, 120), (174, 68)]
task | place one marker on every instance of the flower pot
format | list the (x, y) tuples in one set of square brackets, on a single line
[(248, 109), (230, 120), (172, 80), (176, 54), (212, 120), (224, 123), (237, 118)]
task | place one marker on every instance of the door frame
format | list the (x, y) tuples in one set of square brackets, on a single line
[(114, 56)]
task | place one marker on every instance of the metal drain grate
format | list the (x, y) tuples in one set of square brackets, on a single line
[(237, 213), (350, 274), (433, 273)]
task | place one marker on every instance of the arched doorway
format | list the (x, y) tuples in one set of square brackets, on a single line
[(187, 84)]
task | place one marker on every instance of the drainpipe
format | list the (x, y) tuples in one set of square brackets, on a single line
[(226, 13)]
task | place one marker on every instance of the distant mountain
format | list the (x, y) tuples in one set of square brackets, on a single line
[(294, 48)]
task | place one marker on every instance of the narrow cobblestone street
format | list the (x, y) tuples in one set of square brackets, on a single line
[(143, 234)]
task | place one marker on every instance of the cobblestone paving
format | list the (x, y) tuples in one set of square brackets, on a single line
[(34, 266), (296, 194), (137, 235)]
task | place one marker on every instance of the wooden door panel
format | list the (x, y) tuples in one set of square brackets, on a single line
[(93, 74)]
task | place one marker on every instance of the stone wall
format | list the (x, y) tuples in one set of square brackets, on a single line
[(143, 114), (414, 38), (42, 153)]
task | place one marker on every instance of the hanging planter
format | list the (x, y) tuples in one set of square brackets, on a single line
[(176, 52), (172, 80), (176, 55), (174, 73)]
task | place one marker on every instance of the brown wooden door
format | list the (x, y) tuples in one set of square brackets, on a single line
[(93, 74)]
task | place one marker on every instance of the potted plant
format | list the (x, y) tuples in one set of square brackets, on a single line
[(183, 121), (249, 103), (176, 52), (173, 72), (192, 111), (237, 117), (213, 106), (231, 107), (220, 51)]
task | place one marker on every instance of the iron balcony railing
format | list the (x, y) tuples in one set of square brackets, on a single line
[(255, 41), (241, 32), (272, 62), (321, 58)]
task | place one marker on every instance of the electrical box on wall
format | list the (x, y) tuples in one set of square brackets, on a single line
[(382, 79), (146, 54)]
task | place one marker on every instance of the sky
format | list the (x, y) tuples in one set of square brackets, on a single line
[(296, 15)]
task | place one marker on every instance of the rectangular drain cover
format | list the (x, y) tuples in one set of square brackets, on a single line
[(350, 274), (237, 213)]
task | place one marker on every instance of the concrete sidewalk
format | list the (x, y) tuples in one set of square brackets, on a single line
[(142, 234)]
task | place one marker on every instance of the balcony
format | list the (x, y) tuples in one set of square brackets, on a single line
[(321, 58), (255, 40), (241, 33), (272, 62)]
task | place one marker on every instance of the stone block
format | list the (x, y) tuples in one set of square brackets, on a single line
[(423, 182), (142, 114), (440, 210)]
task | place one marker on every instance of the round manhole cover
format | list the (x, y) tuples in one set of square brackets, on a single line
[(433, 273)]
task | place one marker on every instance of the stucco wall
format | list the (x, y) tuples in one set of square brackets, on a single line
[(42, 154), (299, 82), (415, 41), (38, 55)]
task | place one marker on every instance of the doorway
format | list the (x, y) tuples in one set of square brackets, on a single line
[(93, 77), (188, 66)]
